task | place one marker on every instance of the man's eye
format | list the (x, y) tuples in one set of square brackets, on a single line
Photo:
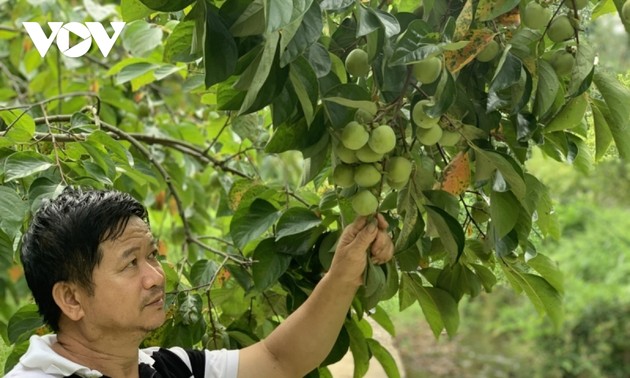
[(132, 263), (153, 255)]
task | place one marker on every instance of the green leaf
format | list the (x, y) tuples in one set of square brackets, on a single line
[(252, 221), (22, 125), (582, 70), (268, 264), (296, 220), (508, 72), (300, 35), (368, 106), (304, 83), (25, 163), (603, 135), (416, 43), (251, 21), (220, 53), (167, 5), (569, 116), (450, 231), (504, 212), (548, 269), (381, 317), (510, 174), (439, 308), (140, 37), (263, 65), (367, 22), (288, 137), (490, 9), (359, 348), (546, 298), (202, 272), (280, 13), (133, 71), (384, 358), (23, 324), (547, 89), (13, 210), (132, 10), (488, 279), (617, 98), (177, 47), (340, 115)]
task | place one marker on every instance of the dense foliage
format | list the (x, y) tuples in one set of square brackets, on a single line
[(226, 119)]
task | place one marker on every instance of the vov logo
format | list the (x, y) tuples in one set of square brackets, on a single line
[(60, 32)]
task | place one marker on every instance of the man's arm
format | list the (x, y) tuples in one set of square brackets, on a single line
[(305, 338)]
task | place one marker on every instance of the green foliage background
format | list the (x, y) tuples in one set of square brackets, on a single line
[(221, 117)]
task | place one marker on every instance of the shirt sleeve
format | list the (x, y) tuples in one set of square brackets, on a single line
[(222, 363)]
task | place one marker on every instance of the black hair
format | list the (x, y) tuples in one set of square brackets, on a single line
[(62, 241)]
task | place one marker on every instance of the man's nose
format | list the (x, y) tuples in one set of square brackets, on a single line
[(152, 275)]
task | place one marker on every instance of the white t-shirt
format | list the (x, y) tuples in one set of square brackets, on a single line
[(40, 361)]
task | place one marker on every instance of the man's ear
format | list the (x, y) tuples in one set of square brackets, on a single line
[(68, 298)]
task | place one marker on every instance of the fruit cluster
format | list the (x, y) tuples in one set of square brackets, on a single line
[(362, 161)]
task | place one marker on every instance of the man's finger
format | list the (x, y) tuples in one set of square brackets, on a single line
[(382, 223), (365, 237)]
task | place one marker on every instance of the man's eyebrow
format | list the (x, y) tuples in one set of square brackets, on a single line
[(128, 252)]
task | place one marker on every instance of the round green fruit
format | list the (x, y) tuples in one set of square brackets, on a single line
[(560, 29), (382, 139), (397, 185), (449, 138), (354, 135), (420, 118), (480, 211), (427, 70), (562, 62), (366, 155), (489, 52), (344, 154), (431, 136), (364, 203), (398, 169), (343, 175), (535, 16), (357, 63), (625, 11), (366, 175)]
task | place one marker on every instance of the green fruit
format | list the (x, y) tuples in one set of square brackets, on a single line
[(367, 155), (143, 110), (382, 139), (366, 175), (480, 211), (343, 175), (357, 63), (431, 136), (344, 154), (562, 62), (449, 138), (398, 169), (560, 29), (625, 11), (427, 70), (397, 185), (489, 52), (535, 16), (420, 118), (364, 203), (354, 135)]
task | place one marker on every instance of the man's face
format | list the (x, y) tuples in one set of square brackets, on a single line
[(128, 284)]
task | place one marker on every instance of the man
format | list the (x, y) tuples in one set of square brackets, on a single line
[(91, 262)]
